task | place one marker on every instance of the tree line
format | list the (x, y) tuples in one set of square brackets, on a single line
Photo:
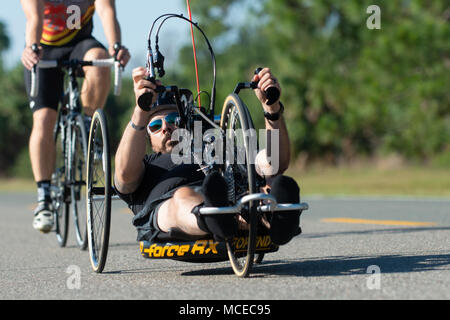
[(349, 91)]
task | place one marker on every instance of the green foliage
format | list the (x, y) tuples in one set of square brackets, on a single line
[(15, 117), (4, 43), (347, 90)]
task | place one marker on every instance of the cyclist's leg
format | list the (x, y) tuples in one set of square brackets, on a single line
[(97, 80), (285, 225), (41, 144), (179, 211), (44, 107), (176, 212)]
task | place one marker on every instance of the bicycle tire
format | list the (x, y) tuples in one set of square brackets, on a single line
[(78, 180), (235, 116), (58, 190), (98, 191)]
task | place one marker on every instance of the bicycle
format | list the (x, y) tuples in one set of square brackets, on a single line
[(70, 138), (250, 244)]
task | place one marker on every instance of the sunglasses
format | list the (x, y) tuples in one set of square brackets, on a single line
[(156, 125)]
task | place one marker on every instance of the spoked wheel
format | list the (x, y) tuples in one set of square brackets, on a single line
[(98, 191), (240, 174), (78, 181), (59, 192)]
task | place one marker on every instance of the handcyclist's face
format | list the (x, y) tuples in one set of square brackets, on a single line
[(160, 129)]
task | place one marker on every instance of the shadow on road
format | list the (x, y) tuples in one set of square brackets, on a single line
[(325, 266), (340, 266)]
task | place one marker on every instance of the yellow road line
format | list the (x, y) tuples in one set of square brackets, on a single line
[(381, 222)]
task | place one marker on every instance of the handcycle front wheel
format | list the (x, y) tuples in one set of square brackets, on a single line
[(98, 191), (240, 174)]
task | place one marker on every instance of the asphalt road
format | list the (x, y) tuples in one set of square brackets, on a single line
[(406, 242)]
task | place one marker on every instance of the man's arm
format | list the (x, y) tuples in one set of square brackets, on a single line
[(266, 80), (34, 14), (106, 10), (284, 148), (129, 168)]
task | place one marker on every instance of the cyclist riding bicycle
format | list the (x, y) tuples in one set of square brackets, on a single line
[(163, 194), (62, 29)]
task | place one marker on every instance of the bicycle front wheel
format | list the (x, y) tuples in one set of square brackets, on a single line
[(59, 191), (240, 174), (78, 180), (98, 191)]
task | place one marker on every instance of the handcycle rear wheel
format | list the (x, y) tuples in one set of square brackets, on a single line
[(78, 180), (240, 174), (98, 191), (59, 191)]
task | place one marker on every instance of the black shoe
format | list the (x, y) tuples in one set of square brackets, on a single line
[(285, 225), (215, 191)]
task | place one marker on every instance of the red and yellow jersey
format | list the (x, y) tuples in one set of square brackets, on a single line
[(65, 19)]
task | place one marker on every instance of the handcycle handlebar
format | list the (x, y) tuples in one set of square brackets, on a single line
[(145, 100), (103, 63), (272, 93)]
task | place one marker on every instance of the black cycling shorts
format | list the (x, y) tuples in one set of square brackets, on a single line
[(51, 81)]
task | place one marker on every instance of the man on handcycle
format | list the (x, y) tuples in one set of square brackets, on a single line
[(162, 194), (62, 29)]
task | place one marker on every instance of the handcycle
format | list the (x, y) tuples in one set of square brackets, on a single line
[(71, 137), (244, 184)]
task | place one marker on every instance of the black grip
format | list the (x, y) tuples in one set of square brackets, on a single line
[(145, 100), (272, 93), (35, 48)]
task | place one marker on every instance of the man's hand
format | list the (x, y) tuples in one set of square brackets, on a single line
[(30, 58), (123, 56), (141, 85), (266, 80)]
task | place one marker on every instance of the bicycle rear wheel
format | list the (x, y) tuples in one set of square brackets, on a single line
[(78, 180), (98, 193), (240, 174), (59, 192)]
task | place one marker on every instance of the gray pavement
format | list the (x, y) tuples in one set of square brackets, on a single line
[(332, 259)]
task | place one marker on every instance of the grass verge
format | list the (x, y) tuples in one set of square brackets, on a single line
[(346, 181), (368, 181)]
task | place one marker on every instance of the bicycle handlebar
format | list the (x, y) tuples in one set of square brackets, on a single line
[(103, 63)]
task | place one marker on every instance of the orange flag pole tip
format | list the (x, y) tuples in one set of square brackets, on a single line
[(195, 54)]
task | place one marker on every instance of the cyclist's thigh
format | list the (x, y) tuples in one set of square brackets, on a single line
[(50, 81)]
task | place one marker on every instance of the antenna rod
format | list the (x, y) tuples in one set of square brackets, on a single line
[(195, 54)]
